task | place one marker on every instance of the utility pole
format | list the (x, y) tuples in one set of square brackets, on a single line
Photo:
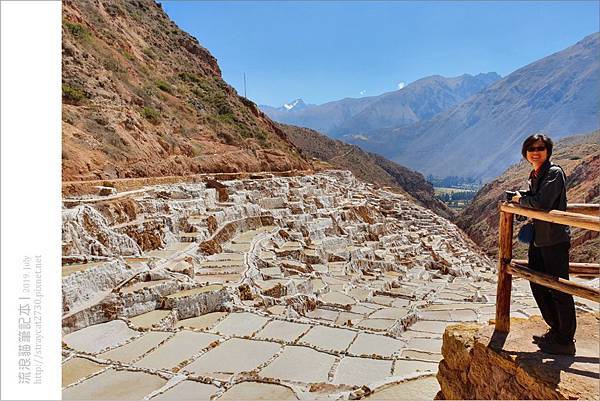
[(245, 86)]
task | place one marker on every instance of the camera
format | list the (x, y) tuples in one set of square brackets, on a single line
[(509, 195)]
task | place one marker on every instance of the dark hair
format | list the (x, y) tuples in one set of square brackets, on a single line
[(534, 138)]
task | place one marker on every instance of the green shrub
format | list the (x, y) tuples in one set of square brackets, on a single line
[(146, 92), (226, 118), (223, 107), (148, 52), (151, 115), (227, 138), (164, 86), (73, 95), (112, 64), (198, 92), (79, 31), (262, 136), (128, 55), (190, 77)]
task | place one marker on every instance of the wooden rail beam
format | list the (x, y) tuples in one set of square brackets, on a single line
[(555, 216), (553, 282), (581, 269), (592, 209), (504, 278)]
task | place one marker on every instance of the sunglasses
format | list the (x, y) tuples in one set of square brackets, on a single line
[(536, 149)]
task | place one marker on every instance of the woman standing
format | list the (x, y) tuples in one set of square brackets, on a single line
[(549, 251)]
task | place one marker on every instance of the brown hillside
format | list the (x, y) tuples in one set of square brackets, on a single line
[(142, 98), (366, 166), (579, 156)]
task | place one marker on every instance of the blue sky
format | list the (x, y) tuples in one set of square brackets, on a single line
[(327, 50)]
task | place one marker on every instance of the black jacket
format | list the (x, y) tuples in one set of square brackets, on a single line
[(547, 191)]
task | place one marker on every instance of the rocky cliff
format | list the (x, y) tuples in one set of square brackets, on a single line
[(580, 158), (366, 166), (142, 98), (481, 364)]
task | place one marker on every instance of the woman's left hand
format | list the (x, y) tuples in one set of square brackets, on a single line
[(516, 198)]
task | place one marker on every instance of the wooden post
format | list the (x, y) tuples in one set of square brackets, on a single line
[(504, 278)]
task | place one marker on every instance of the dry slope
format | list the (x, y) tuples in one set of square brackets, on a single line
[(142, 98), (366, 166), (580, 158)]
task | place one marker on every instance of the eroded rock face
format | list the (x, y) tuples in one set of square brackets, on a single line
[(479, 364), (309, 277)]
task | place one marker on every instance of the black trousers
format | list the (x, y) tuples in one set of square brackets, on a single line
[(558, 308)]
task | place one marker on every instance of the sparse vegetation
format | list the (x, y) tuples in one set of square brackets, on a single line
[(112, 64), (79, 31), (226, 118), (128, 55), (164, 86), (187, 110), (227, 138), (190, 77), (224, 109), (73, 95), (112, 141), (196, 149), (151, 115), (148, 52)]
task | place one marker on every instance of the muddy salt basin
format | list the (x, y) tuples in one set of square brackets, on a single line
[(308, 287)]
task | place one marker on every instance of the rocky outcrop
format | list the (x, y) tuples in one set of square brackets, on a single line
[(197, 301), (482, 364)]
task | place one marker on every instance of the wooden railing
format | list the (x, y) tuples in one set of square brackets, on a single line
[(585, 216)]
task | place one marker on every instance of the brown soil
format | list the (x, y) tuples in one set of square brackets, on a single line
[(142, 98)]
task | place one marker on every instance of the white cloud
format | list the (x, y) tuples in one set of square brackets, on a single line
[(362, 92), (401, 85), (360, 137)]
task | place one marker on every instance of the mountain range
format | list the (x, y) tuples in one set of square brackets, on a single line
[(419, 100), (468, 126)]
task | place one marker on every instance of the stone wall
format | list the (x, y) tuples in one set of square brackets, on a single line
[(481, 364)]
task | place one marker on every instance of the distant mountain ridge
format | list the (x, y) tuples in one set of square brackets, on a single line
[(480, 137), (419, 100), (415, 102)]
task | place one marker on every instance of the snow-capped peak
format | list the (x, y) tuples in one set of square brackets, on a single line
[(298, 103)]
